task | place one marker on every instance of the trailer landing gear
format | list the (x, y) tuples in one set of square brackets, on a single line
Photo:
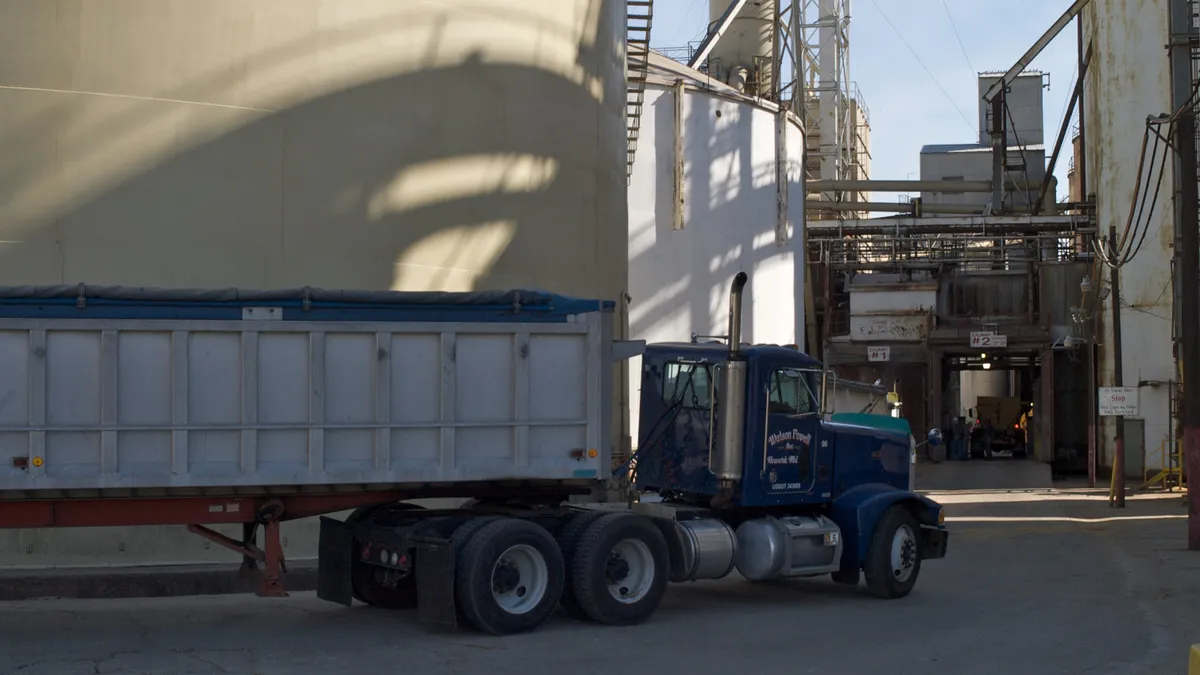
[(272, 560)]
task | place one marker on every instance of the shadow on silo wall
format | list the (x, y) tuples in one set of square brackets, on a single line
[(467, 172)]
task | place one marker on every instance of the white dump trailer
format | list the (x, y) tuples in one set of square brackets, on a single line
[(125, 406)]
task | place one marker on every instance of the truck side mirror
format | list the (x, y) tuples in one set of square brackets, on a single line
[(828, 383), (934, 437)]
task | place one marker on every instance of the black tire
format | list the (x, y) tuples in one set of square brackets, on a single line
[(592, 569), (568, 541), (882, 580), (475, 569)]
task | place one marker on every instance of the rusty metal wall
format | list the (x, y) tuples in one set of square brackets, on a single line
[(912, 384), (984, 295)]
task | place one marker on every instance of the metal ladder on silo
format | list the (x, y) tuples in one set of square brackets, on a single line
[(638, 16)]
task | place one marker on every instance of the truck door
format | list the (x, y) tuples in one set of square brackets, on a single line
[(790, 451)]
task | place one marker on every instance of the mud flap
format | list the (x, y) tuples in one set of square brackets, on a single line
[(335, 555), (934, 541), (435, 582)]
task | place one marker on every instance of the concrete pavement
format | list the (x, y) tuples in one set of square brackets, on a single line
[(1033, 584)]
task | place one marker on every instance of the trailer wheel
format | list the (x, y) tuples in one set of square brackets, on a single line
[(619, 570), (509, 576), (568, 543), (894, 555)]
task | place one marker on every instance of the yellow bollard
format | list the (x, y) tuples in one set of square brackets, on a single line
[(1194, 661)]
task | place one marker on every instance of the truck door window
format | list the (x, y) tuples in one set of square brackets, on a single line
[(687, 383), (790, 393)]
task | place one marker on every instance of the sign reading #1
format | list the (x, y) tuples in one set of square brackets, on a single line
[(988, 339), (1118, 401), (883, 353)]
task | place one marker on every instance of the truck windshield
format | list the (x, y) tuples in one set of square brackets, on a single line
[(688, 384)]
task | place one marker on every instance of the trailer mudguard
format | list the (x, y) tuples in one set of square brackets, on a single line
[(858, 509), (335, 559)]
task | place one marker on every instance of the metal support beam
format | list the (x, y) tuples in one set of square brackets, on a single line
[(1187, 222), (715, 34), (1036, 49), (814, 186), (982, 225), (888, 207), (1062, 133)]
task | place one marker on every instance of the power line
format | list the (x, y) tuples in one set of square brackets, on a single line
[(958, 37), (925, 67), (683, 22)]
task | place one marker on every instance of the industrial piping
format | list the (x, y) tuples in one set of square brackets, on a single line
[(814, 186), (890, 207)]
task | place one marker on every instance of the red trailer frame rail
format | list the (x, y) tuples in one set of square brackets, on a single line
[(195, 513)]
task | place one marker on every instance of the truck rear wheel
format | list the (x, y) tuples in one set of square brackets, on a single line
[(619, 570), (894, 556), (508, 576), (568, 543)]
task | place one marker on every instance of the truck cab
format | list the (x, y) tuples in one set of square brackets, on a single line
[(740, 435), (792, 455)]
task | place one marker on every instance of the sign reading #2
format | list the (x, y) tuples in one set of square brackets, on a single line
[(987, 339)]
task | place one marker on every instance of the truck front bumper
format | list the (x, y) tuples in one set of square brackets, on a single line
[(934, 539)]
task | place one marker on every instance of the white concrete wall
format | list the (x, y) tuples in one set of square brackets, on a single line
[(1129, 81), (367, 144), (679, 279)]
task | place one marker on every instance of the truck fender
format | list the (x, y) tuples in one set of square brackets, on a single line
[(857, 510)]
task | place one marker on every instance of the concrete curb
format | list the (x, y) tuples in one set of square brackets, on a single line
[(143, 582), (1194, 661)]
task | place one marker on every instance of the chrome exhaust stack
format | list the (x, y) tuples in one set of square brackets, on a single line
[(728, 451)]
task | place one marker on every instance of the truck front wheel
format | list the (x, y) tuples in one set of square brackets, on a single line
[(619, 570), (509, 576), (894, 556)]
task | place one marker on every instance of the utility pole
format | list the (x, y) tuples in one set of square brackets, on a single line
[(1081, 169), (1187, 280), (1118, 370)]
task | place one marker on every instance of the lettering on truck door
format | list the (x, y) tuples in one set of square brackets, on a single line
[(792, 423)]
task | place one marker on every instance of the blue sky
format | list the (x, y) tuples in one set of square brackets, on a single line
[(915, 63)]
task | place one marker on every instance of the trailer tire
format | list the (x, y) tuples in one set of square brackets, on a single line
[(894, 556), (568, 542), (509, 576), (617, 552)]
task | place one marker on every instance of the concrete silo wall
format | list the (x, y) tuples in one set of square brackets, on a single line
[(371, 144), (731, 151), (1129, 79)]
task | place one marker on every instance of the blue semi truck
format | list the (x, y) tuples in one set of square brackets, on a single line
[(136, 406)]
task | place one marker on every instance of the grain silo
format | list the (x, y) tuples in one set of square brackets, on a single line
[(1128, 79), (371, 144), (717, 188)]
